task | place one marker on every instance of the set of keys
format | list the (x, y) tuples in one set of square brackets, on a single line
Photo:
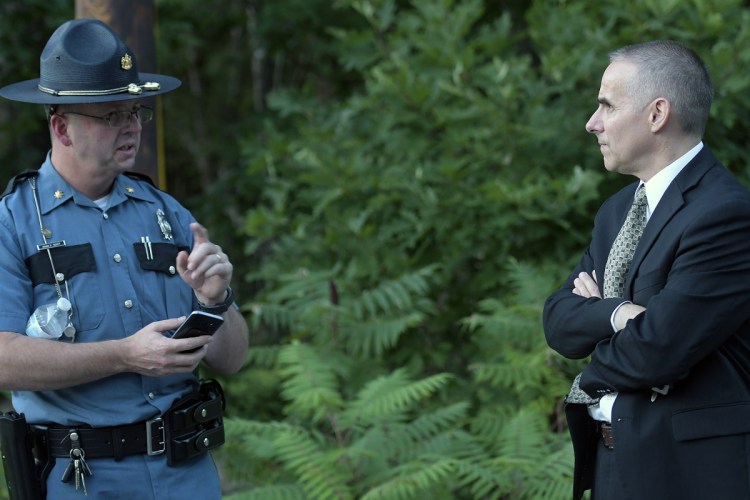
[(77, 466)]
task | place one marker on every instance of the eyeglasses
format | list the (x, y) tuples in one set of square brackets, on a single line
[(120, 119)]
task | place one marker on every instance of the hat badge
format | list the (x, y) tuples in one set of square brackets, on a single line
[(126, 62)]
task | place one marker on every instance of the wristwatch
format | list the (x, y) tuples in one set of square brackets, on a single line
[(221, 307)]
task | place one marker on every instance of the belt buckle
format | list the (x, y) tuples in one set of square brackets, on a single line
[(155, 435)]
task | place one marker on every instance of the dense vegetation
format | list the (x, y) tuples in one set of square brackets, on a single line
[(400, 184)]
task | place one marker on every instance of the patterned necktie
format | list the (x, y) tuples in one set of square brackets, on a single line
[(621, 253), (616, 270)]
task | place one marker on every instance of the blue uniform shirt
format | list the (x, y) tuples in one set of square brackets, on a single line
[(117, 283)]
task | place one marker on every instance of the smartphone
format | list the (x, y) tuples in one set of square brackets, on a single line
[(197, 324)]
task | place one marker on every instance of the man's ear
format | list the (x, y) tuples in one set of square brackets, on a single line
[(659, 111), (59, 129)]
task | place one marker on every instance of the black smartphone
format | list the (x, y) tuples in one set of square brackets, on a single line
[(197, 324)]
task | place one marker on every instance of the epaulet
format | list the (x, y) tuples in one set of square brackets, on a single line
[(15, 181), (140, 176)]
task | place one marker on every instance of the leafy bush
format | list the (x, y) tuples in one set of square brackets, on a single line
[(407, 234), (401, 184)]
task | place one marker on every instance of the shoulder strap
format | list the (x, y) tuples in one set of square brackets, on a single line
[(27, 174), (140, 176), (16, 180)]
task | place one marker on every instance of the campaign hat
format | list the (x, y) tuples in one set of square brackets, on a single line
[(85, 61)]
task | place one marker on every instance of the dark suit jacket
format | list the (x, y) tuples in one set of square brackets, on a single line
[(691, 270)]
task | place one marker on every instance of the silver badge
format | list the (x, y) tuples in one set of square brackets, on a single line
[(166, 229)]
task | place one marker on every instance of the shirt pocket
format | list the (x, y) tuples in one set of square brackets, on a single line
[(160, 262), (74, 269)]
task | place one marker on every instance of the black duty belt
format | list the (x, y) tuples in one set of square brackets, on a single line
[(110, 442), (191, 426)]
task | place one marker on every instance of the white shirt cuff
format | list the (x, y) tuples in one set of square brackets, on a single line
[(612, 318)]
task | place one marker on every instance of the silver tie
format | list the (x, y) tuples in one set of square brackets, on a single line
[(616, 270), (621, 253)]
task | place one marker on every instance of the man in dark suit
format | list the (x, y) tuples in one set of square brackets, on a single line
[(669, 373)]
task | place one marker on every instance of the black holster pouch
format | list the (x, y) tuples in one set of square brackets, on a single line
[(194, 423), (25, 461)]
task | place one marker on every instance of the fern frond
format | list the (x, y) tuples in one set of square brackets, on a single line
[(482, 479), (488, 424), (310, 383), (263, 356), (524, 437), (436, 430), (301, 286), (271, 492), (520, 371), (412, 479), (372, 337), (240, 427), (430, 424), (256, 438), (320, 473), (553, 478), (530, 282), (524, 453), (454, 443), (390, 396), (392, 295), (502, 323), (272, 316)]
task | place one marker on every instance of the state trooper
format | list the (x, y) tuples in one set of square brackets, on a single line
[(115, 402)]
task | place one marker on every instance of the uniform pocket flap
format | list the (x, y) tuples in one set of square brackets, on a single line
[(161, 257), (68, 261), (711, 422)]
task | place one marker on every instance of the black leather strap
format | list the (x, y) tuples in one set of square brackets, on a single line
[(105, 442), (191, 426), (221, 307)]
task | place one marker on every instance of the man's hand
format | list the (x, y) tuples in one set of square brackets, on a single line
[(206, 269), (585, 286), (149, 352)]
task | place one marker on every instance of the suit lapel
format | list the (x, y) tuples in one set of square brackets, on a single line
[(671, 202)]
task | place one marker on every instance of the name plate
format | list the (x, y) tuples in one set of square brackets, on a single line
[(51, 244)]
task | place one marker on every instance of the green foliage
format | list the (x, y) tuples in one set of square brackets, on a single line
[(24, 29), (400, 184), (453, 162)]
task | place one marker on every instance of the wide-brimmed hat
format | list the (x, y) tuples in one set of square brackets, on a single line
[(84, 61)]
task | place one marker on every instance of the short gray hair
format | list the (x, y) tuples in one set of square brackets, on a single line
[(671, 70)]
